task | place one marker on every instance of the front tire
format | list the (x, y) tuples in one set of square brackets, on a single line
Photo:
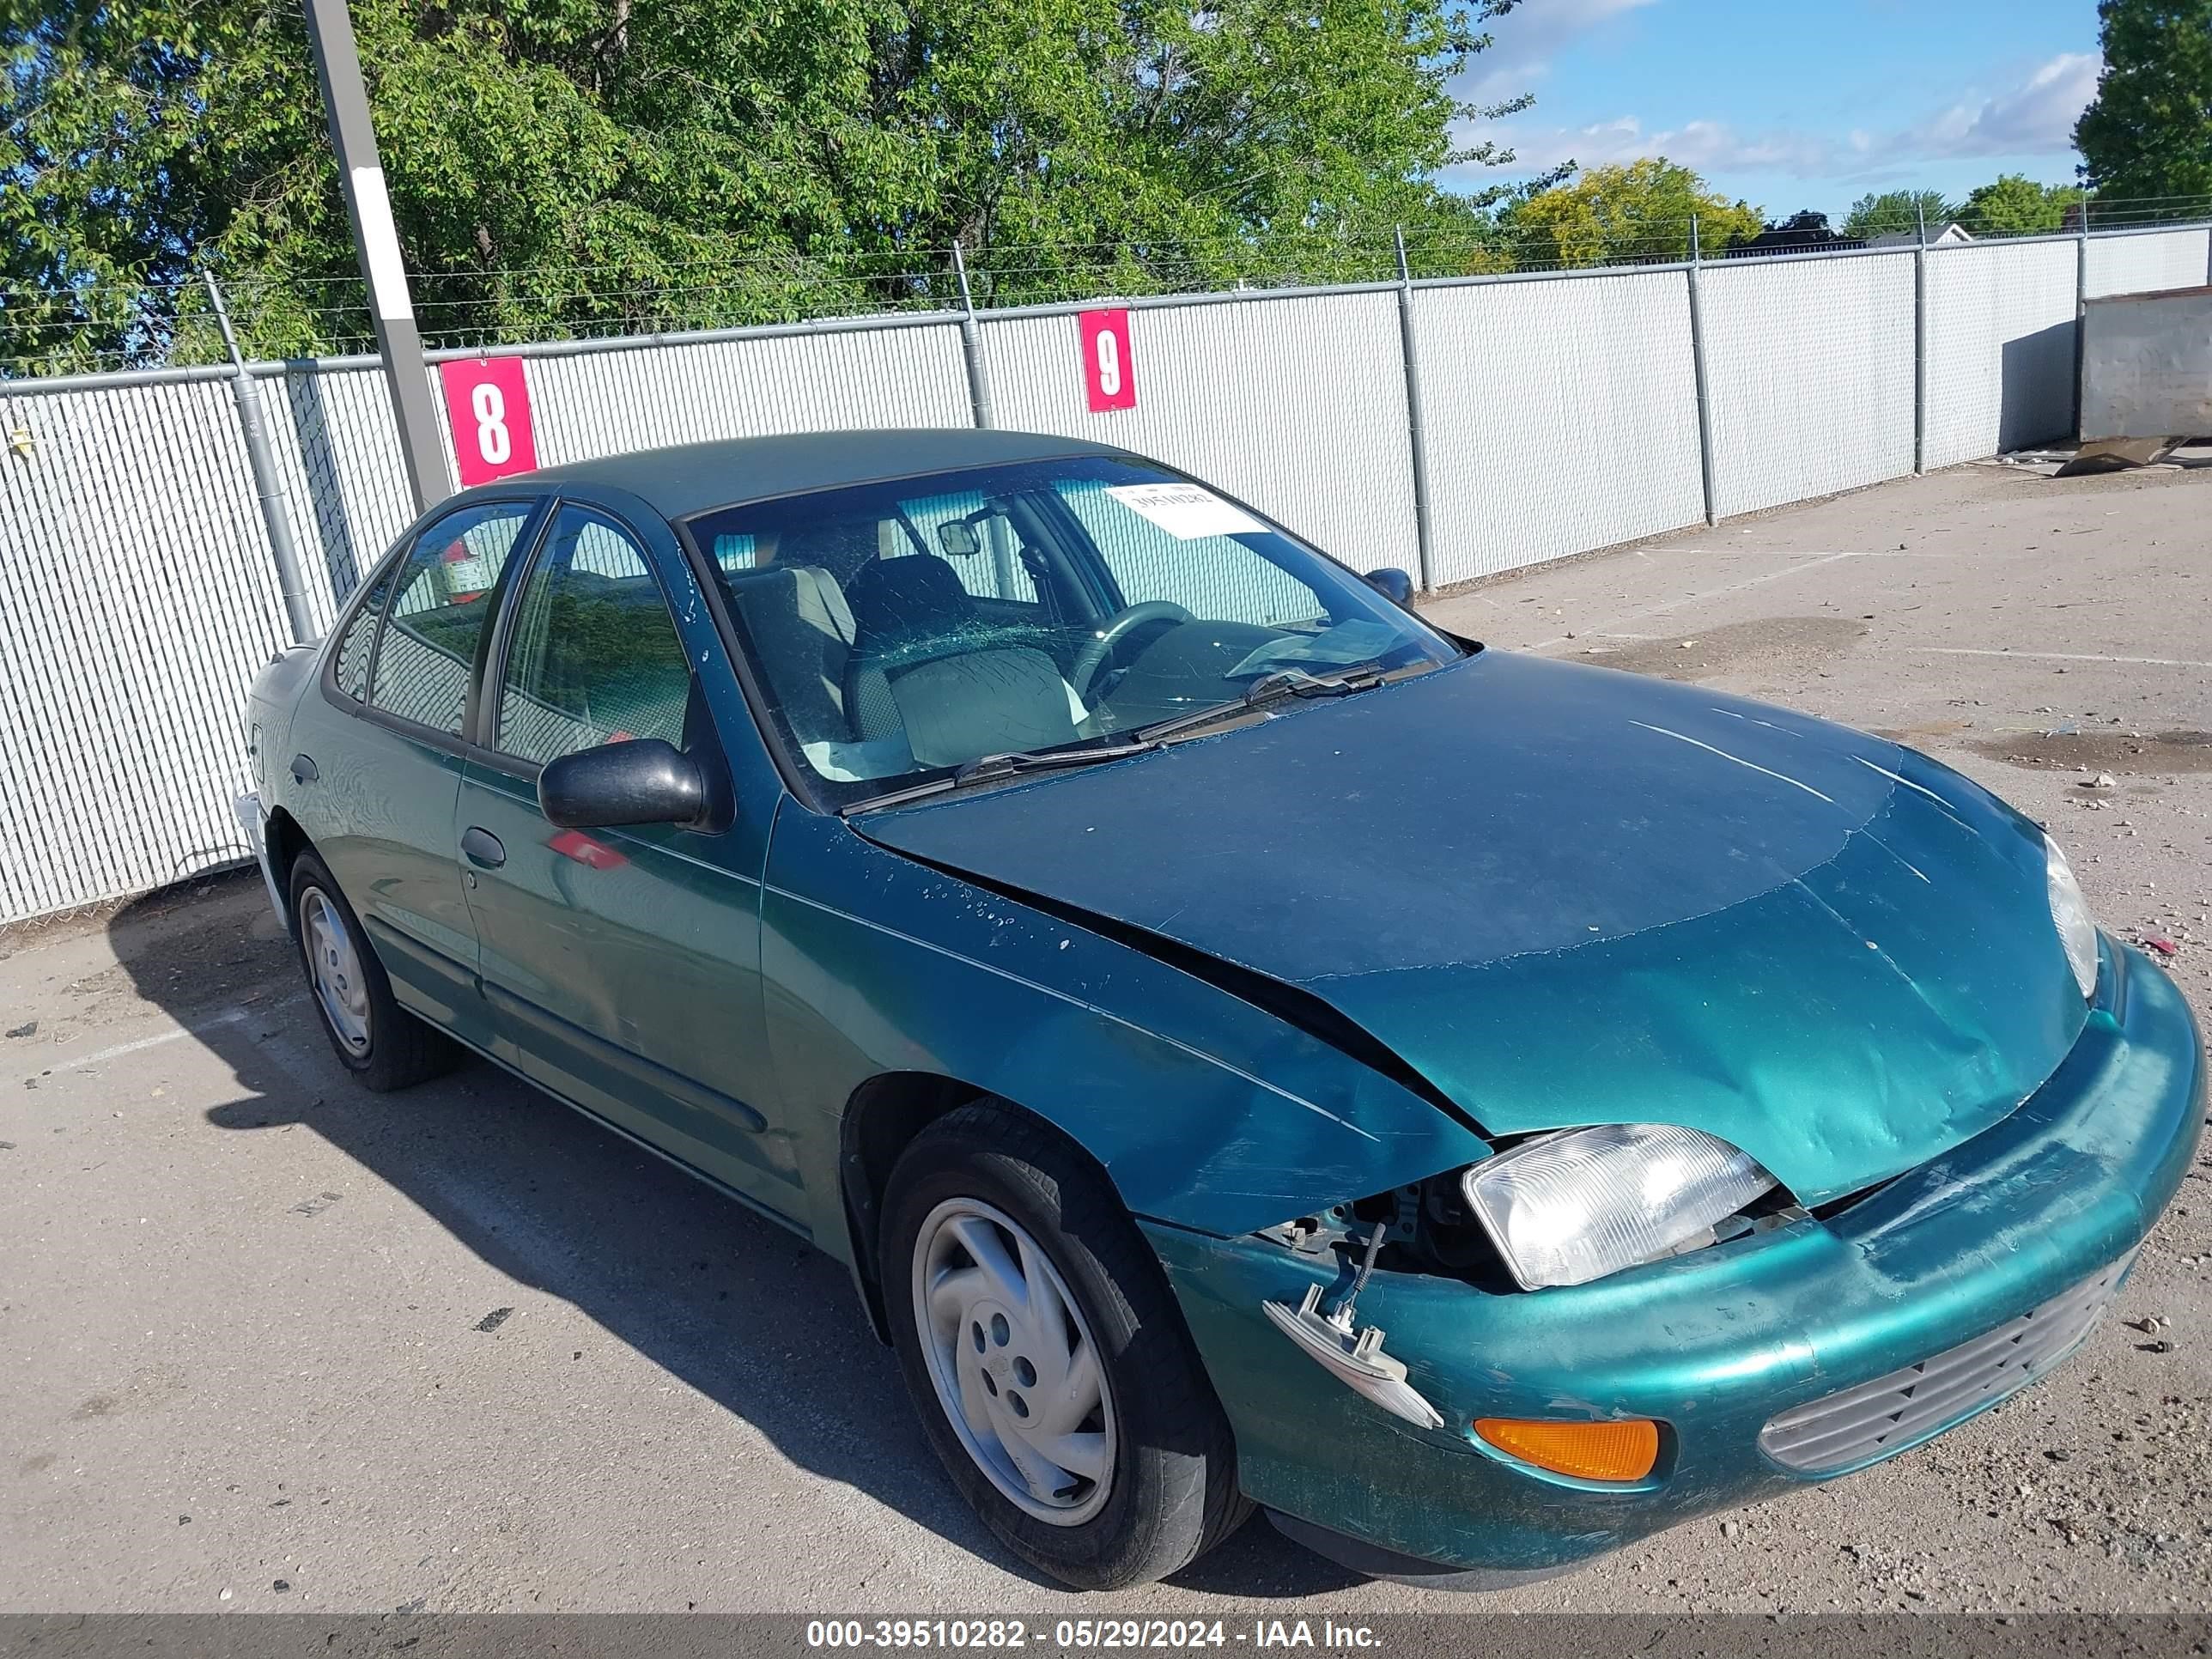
[(374, 1037), (1046, 1355)]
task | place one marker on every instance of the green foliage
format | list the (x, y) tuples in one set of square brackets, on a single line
[(2015, 205), (587, 165), (1616, 215), (1894, 212), (2146, 140)]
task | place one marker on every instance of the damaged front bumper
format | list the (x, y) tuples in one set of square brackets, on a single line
[(2028, 1216)]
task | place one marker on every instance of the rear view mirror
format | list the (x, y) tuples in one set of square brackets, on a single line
[(1395, 586), (645, 781), (958, 538)]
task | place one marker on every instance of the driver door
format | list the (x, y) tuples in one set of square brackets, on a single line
[(622, 965)]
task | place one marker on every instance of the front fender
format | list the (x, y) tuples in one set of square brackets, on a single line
[(1206, 1111)]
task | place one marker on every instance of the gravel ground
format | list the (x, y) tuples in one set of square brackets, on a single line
[(272, 1343)]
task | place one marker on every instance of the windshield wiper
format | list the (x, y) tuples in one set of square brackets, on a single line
[(992, 769), (1283, 685)]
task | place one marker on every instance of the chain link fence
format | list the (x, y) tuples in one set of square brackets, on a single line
[(1453, 425), (82, 326)]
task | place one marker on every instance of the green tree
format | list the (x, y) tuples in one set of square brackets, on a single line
[(2014, 204), (1641, 211), (2146, 142), (583, 164), (1894, 212)]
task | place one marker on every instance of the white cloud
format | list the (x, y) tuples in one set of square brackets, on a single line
[(1524, 41), (1707, 146), (2035, 118)]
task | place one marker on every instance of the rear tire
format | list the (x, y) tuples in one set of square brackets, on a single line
[(374, 1037), (1047, 1356)]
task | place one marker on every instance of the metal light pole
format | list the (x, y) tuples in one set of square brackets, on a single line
[(1424, 534), (1696, 274), (1920, 341), (274, 519), (375, 241)]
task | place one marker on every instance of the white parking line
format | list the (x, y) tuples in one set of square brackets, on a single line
[(2059, 656), (1708, 594), (230, 1018), (1848, 553)]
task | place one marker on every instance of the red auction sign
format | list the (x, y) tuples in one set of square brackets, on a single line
[(488, 404), (1107, 377)]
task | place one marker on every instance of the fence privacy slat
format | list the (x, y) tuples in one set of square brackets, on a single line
[(2144, 262), (1298, 405), (1812, 373), (1562, 418), (2000, 348), (138, 597)]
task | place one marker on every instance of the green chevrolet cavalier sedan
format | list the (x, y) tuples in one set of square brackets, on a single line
[(1250, 1047)]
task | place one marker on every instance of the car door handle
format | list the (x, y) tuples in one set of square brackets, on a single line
[(483, 847)]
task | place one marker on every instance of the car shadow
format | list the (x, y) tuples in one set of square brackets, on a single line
[(695, 1282)]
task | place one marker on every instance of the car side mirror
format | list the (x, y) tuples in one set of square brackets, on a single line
[(645, 781), (1395, 586)]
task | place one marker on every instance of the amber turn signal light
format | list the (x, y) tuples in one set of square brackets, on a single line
[(1589, 1451)]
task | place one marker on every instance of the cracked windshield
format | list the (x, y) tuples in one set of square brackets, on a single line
[(899, 629)]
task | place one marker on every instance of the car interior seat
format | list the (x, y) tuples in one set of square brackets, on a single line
[(803, 632), (1002, 700), (908, 611)]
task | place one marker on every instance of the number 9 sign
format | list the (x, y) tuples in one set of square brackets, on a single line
[(487, 402), (1106, 376)]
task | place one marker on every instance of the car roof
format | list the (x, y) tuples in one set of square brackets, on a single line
[(692, 478)]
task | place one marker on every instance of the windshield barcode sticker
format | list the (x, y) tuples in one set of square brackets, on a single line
[(1185, 510)]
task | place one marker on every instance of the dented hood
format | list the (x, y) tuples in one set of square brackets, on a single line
[(1567, 895)]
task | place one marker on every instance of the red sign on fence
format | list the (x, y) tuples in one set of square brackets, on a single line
[(1107, 375), (488, 404)]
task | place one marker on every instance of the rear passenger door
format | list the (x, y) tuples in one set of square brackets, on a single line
[(622, 965), (378, 771)]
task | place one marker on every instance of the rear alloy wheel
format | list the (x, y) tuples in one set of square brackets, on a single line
[(374, 1037), (334, 971), (1047, 1356)]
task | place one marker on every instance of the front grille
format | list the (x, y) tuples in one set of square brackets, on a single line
[(1875, 1419)]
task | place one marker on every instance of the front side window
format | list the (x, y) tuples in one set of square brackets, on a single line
[(441, 597), (901, 630), (592, 656)]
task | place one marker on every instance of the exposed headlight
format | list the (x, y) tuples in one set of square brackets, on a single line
[(2077, 931), (1575, 1207)]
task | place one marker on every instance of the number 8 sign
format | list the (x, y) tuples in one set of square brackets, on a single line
[(1107, 373), (489, 403)]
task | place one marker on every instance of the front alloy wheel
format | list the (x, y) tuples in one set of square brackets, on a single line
[(1055, 1377), (1015, 1366)]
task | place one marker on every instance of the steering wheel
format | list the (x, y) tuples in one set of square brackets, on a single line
[(1099, 650)]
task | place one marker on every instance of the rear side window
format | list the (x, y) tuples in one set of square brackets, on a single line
[(593, 656), (359, 640), (439, 601)]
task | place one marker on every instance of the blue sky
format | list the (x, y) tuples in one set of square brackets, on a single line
[(1794, 103)]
